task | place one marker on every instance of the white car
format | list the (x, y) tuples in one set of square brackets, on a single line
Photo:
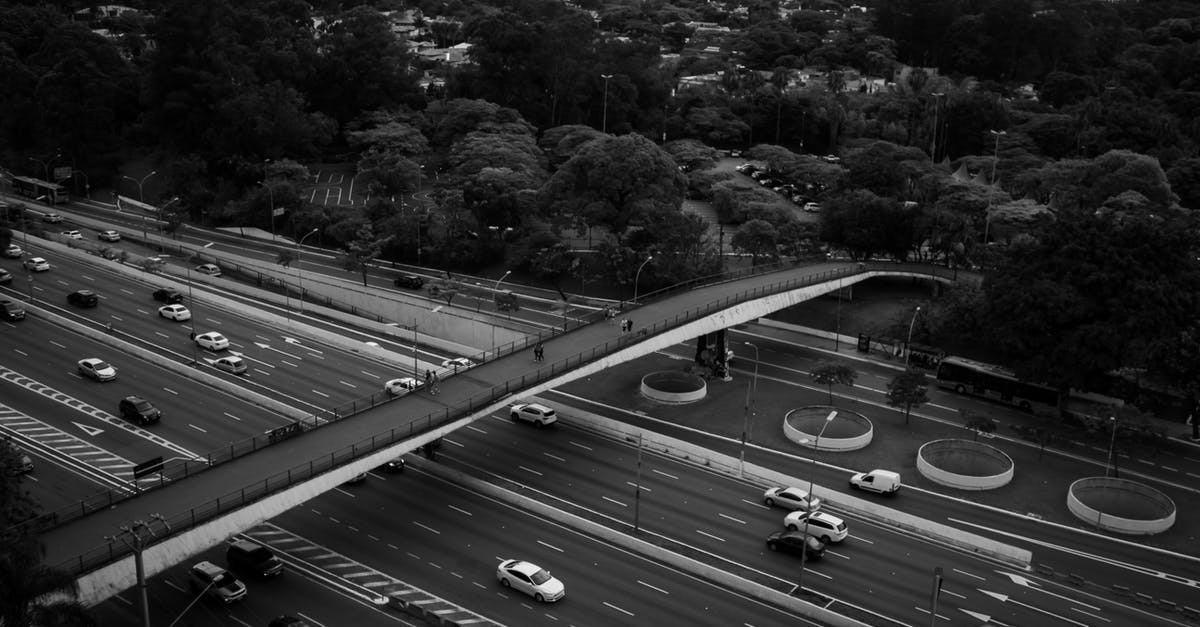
[(97, 369), (396, 387), (791, 498), (458, 363), (231, 364), (12, 251), (818, 525), (211, 269), (110, 236), (535, 413), (212, 341), (812, 207), (178, 313), (36, 264), (530, 579), (52, 218), (72, 234)]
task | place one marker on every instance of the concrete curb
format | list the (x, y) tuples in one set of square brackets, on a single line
[(711, 460), (641, 547)]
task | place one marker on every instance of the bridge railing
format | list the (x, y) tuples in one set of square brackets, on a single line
[(180, 470)]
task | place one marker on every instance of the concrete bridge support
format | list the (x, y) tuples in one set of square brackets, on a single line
[(712, 352)]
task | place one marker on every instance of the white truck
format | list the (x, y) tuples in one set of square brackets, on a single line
[(881, 481)]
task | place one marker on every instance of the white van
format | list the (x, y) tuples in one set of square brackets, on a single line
[(881, 481)]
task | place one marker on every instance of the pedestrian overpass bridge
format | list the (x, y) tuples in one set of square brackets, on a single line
[(201, 505)]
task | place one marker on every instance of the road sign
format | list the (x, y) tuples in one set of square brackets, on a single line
[(148, 467)]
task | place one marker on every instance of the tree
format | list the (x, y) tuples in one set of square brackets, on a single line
[(758, 238), (907, 390), (34, 594), (830, 374), (363, 250)]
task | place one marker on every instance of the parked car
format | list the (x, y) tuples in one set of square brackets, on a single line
[(52, 218), (212, 341), (231, 364), (216, 582), (168, 295), (881, 481), (109, 236), (530, 579), (827, 527), (796, 542), (83, 298), (356, 479), (410, 281), (72, 234), (36, 264), (394, 466), (791, 498), (176, 312), (812, 207), (396, 387), (534, 413), (11, 310), (139, 410), (5, 277), (253, 558), (97, 369), (211, 269), (457, 363), (12, 251)]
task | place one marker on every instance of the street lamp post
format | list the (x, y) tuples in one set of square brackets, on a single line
[(604, 122), (140, 182), (987, 217), (271, 196), (496, 287), (638, 276), (746, 420), (192, 316), (908, 342), (811, 479), (416, 368), (937, 96), (1112, 443), (45, 163), (300, 269), (138, 533)]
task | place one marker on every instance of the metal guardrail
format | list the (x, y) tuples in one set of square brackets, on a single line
[(178, 470)]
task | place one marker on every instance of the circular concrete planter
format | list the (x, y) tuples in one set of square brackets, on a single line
[(673, 387), (1121, 505), (965, 464), (849, 431)]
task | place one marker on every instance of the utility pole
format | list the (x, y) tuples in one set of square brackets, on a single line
[(136, 537)]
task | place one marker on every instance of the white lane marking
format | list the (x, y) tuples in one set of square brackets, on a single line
[(549, 546), (614, 501), (530, 470), (623, 611), (197, 428), (633, 485), (963, 572), (320, 393), (347, 384), (170, 391), (288, 363), (667, 475), (261, 371), (460, 510), (232, 416), (709, 535), (427, 528), (582, 446), (162, 335), (554, 457), (57, 344), (373, 376), (736, 520), (654, 588), (474, 428)]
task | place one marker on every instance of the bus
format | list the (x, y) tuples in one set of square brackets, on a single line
[(52, 193), (992, 382)]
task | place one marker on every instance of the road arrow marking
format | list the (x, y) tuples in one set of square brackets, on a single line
[(983, 618), (1033, 585), (88, 429), (268, 347), (1004, 598), (295, 342)]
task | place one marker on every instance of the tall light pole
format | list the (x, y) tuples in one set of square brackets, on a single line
[(746, 420), (987, 217), (937, 98), (638, 276), (300, 269), (45, 163), (1112, 443), (192, 315), (812, 475), (140, 182), (135, 537), (416, 370), (604, 122), (908, 342), (271, 195), (496, 287)]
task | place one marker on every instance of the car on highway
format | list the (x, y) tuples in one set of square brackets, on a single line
[(796, 542), (531, 580), (825, 526), (36, 264), (393, 466), (11, 310), (139, 410), (98, 369), (72, 234), (5, 277), (245, 556), (534, 413), (356, 479), (231, 364), (878, 480), (212, 341), (175, 312), (109, 236), (52, 218), (216, 582), (211, 269), (410, 281), (12, 251), (397, 387), (168, 295), (457, 363), (791, 498), (83, 298)]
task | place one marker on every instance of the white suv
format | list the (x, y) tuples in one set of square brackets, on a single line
[(817, 524), (534, 413)]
